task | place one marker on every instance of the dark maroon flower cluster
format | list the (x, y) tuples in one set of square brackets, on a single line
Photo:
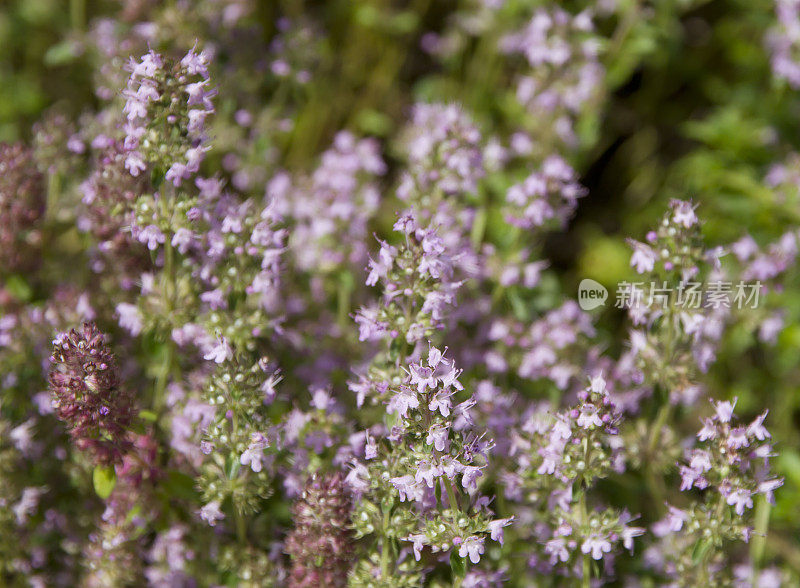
[(84, 384), (22, 200), (321, 544)]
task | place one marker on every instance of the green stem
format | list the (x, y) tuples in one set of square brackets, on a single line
[(160, 392), (385, 546), (77, 14), (241, 529), (658, 425), (759, 540), (451, 495), (654, 482), (632, 16), (586, 576)]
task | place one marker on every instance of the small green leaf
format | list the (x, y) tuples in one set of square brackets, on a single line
[(61, 53), (19, 288), (178, 484), (232, 466), (104, 479), (457, 564), (148, 415)]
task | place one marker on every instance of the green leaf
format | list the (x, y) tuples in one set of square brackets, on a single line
[(148, 415), (180, 485), (61, 53), (458, 565), (232, 466), (19, 288), (104, 479)]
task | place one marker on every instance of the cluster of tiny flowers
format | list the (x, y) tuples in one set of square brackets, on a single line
[(167, 105), (549, 196), (733, 461), (418, 286), (22, 200), (431, 449), (238, 438), (549, 348), (559, 457), (729, 467), (769, 267), (675, 331), (565, 73), (295, 51), (673, 248), (113, 554), (768, 264), (784, 42), (444, 152), (341, 192), (109, 195), (87, 395), (240, 260), (321, 543)]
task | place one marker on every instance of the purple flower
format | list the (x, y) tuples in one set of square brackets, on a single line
[(495, 528), (628, 534), (724, 410), (151, 236), (469, 477), (472, 546), (419, 542), (683, 213), (589, 417), (737, 438), (437, 436), (441, 402), (768, 487), (211, 513), (134, 163), (709, 430), (130, 318), (643, 258), (254, 454), (741, 499), (596, 545), (221, 352), (407, 488), (403, 400), (557, 549), (700, 460), (422, 377), (177, 173), (756, 428), (427, 472)]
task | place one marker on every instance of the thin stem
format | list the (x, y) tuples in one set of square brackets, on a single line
[(759, 541), (651, 473), (658, 425), (451, 494), (586, 576), (385, 546), (160, 392), (241, 529), (586, 579), (77, 14)]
